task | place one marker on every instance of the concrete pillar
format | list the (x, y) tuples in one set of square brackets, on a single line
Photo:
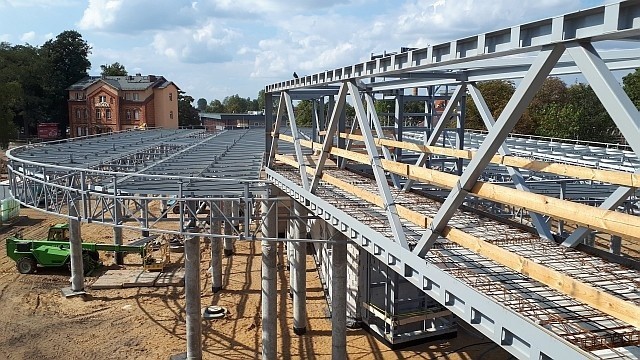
[(338, 296), (75, 248), (615, 245), (299, 270), (216, 251), (228, 242), (192, 295), (269, 285), (117, 232)]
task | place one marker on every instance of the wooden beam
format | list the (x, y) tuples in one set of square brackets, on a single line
[(598, 299), (579, 172)]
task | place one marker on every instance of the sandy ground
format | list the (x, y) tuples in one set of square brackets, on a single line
[(36, 322)]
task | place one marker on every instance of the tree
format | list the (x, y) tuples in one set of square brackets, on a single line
[(10, 98), (582, 117), (115, 69), (202, 104), (216, 107), (260, 100), (24, 65), (553, 92), (303, 113), (67, 58), (187, 114), (235, 104), (631, 85), (496, 94)]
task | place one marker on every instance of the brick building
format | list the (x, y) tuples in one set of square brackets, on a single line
[(99, 104)]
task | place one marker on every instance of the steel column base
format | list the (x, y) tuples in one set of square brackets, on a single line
[(216, 289)]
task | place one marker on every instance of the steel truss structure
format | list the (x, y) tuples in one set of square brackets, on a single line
[(534, 297), (135, 179)]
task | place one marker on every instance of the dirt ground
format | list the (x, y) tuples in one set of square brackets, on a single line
[(36, 322)]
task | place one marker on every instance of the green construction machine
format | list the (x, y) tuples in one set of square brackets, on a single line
[(54, 251)]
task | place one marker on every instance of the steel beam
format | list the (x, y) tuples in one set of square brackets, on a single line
[(328, 137), (612, 202), (296, 139), (542, 227), (439, 127), (508, 118), (375, 120), (378, 170), (273, 149)]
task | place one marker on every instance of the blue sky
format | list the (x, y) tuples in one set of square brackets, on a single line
[(215, 48)]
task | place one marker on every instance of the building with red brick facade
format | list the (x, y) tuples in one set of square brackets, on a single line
[(99, 104)]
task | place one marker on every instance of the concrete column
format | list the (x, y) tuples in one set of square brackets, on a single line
[(615, 245), (228, 242), (117, 232), (75, 248), (192, 295), (269, 285), (216, 251), (338, 296), (299, 270)]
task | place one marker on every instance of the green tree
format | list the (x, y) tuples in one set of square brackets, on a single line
[(496, 94), (24, 64), (115, 69), (216, 107), (552, 92), (10, 98), (260, 100), (187, 114), (67, 58), (235, 104), (631, 85), (303, 112), (582, 117), (383, 108), (202, 104)]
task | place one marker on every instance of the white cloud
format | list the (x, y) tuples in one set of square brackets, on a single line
[(5, 37), (100, 14), (209, 43), (28, 36), (136, 16)]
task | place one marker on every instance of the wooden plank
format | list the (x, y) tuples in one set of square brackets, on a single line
[(140, 278), (579, 172)]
